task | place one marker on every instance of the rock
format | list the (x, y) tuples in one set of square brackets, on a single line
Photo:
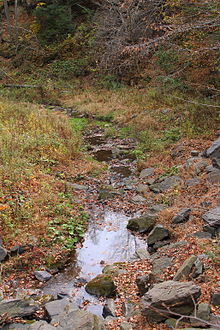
[(57, 307), (142, 188), (18, 307), (202, 234), (75, 186), (177, 151), (200, 166), (177, 246), (160, 244), (142, 224), (103, 154), (160, 264), (216, 163), (144, 282), (3, 253), (1, 295), (109, 308), (142, 254), (175, 295), (41, 325), (80, 320), (42, 275), (186, 268), (166, 184), (107, 192), (181, 216), (214, 150), (198, 269), (203, 312), (125, 326), (194, 153), (192, 182), (214, 319), (212, 218), (172, 323), (146, 172), (158, 233), (216, 299), (113, 270), (214, 176), (19, 249), (138, 199), (101, 285), (157, 208), (29, 293)]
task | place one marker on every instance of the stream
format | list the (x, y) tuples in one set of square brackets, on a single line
[(106, 240)]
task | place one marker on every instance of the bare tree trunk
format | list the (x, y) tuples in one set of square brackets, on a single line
[(7, 17)]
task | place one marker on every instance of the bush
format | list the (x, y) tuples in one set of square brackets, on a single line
[(54, 22), (69, 68)]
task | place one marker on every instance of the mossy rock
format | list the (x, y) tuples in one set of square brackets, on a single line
[(101, 286), (142, 224)]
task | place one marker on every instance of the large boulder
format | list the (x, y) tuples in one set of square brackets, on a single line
[(80, 320), (158, 233), (146, 172), (142, 224), (166, 184), (175, 296), (212, 219), (192, 267), (102, 285), (3, 253), (181, 216), (214, 150), (42, 275), (18, 307), (56, 307)]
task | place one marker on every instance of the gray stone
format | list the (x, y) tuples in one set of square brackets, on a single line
[(166, 184), (3, 253), (216, 163), (125, 326), (107, 192), (177, 246), (194, 153), (41, 325), (160, 244), (160, 264), (177, 296), (109, 308), (142, 224), (142, 188), (144, 282), (214, 150), (181, 216), (42, 275), (102, 285), (18, 307), (200, 166), (138, 199), (203, 312), (212, 217), (142, 254), (216, 299), (80, 320), (192, 182), (146, 172), (198, 268), (186, 268), (1, 295), (209, 169), (76, 186), (157, 208), (172, 323), (214, 176), (202, 235), (158, 233), (113, 270), (57, 307)]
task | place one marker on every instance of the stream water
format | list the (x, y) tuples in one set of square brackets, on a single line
[(106, 241)]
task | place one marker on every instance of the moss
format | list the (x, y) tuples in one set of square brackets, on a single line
[(102, 285)]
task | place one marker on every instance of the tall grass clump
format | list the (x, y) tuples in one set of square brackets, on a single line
[(32, 136)]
